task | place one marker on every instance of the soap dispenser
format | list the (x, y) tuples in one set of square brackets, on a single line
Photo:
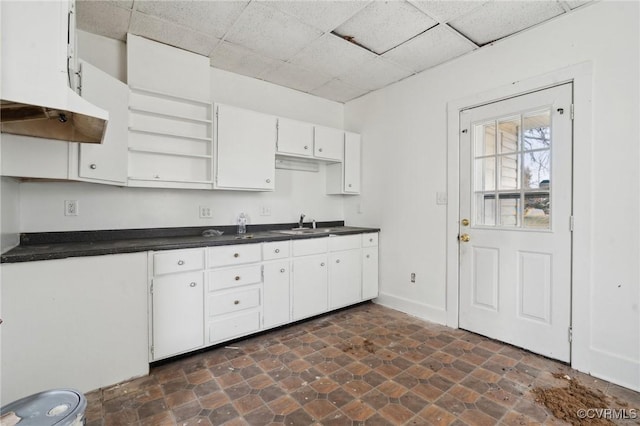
[(242, 223)]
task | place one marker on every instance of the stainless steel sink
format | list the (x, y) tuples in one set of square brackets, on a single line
[(305, 231)]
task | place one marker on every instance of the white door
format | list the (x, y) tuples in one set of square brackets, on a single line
[(515, 221)]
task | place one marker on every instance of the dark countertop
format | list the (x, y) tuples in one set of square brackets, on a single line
[(60, 245)]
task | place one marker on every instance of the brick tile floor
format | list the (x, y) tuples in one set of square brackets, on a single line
[(364, 365)]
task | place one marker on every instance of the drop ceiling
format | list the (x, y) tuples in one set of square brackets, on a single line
[(338, 50)]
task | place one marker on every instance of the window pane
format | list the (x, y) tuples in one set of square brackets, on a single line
[(536, 130), (485, 139), (485, 209), (536, 211), (508, 172), (485, 174), (508, 130), (509, 207), (537, 169)]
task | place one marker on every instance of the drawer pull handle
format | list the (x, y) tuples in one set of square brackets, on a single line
[(93, 167), (306, 147), (350, 185), (236, 254), (319, 149), (337, 260), (277, 250), (322, 264), (268, 181), (237, 277), (236, 302), (193, 284), (370, 240), (282, 270), (180, 262), (368, 256)]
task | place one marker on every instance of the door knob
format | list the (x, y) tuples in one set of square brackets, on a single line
[(465, 238), (464, 222)]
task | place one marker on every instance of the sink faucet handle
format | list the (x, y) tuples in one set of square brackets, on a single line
[(301, 222)]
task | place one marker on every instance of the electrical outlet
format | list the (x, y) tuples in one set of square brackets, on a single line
[(71, 207), (413, 277), (205, 212), (265, 211)]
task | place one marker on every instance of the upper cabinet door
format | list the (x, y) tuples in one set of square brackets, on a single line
[(106, 162), (165, 69), (352, 147), (328, 143), (295, 137), (245, 149)]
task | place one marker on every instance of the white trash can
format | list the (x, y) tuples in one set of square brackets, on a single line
[(59, 407)]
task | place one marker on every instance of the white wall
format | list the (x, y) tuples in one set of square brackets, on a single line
[(9, 214), (404, 129), (104, 207)]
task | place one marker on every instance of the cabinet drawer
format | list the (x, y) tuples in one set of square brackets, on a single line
[(275, 250), (232, 277), (370, 240), (233, 255), (311, 246), (234, 326), (347, 242), (227, 302), (178, 261)]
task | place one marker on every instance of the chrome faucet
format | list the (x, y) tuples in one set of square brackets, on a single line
[(301, 222)]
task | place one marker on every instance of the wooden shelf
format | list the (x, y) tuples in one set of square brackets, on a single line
[(167, 95), (170, 153), (174, 135), (169, 116)]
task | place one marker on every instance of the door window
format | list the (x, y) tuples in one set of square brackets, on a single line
[(512, 171)]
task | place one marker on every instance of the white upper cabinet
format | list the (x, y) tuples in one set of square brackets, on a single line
[(328, 143), (245, 149), (170, 116), (295, 137), (344, 177), (161, 68), (106, 162)]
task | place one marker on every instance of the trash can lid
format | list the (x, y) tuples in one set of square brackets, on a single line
[(48, 408)]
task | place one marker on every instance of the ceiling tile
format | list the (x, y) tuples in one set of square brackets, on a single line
[(499, 19), (383, 25), (431, 48), (332, 55), (271, 32), (172, 34), (339, 91), (577, 3), (445, 11), (375, 74), (296, 77), (104, 18), (208, 17), (239, 59), (324, 15)]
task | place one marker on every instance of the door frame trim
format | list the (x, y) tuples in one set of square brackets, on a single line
[(581, 75)]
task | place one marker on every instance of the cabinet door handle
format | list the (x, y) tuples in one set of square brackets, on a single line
[(306, 147), (282, 270), (180, 262), (236, 254), (93, 166), (236, 302), (370, 240), (237, 277), (337, 260), (277, 250), (319, 149), (193, 284), (322, 264), (268, 180), (349, 185), (368, 256)]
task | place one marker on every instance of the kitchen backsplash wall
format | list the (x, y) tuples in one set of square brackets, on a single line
[(106, 207), (9, 213)]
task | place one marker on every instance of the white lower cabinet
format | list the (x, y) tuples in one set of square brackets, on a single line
[(178, 309), (202, 297), (345, 278), (276, 309), (310, 296)]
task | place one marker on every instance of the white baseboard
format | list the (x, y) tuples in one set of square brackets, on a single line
[(411, 307)]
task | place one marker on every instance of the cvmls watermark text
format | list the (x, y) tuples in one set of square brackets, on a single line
[(608, 413)]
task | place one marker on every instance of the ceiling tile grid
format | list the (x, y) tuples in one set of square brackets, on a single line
[(336, 49)]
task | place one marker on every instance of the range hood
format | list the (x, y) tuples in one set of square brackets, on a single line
[(36, 96)]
